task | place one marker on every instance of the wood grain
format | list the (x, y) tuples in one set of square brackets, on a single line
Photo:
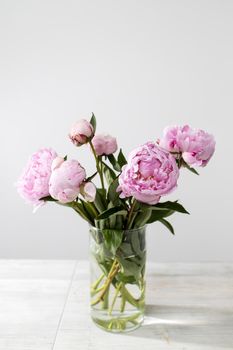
[(45, 305), (32, 295)]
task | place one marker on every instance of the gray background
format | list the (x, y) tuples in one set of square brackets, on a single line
[(139, 65)]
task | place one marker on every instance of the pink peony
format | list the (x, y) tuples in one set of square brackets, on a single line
[(65, 180), (175, 138), (104, 144), (57, 162), (33, 184), (151, 172), (81, 132), (88, 191), (195, 145), (201, 149)]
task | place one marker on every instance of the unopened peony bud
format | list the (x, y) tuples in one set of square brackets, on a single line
[(81, 132), (104, 144), (88, 191)]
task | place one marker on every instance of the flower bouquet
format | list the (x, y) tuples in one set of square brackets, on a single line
[(128, 195)]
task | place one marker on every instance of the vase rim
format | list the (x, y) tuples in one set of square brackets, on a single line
[(125, 230)]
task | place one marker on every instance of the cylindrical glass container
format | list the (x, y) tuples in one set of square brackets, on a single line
[(117, 261)]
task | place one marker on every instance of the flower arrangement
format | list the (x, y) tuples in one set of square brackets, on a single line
[(129, 196)]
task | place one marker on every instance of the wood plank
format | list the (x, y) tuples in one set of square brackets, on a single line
[(32, 297), (189, 307)]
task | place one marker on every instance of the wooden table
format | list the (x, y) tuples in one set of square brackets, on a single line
[(45, 305)]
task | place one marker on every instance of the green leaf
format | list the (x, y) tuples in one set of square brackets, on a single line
[(133, 265), (90, 210), (112, 239), (185, 165), (112, 218), (65, 158), (126, 279), (87, 212), (93, 122), (112, 211), (121, 159), (100, 200), (142, 218), (114, 162), (126, 250), (192, 170), (89, 178), (135, 243), (109, 173), (170, 205), (119, 222), (132, 255), (130, 268), (113, 195), (168, 225), (144, 206), (159, 214), (78, 207)]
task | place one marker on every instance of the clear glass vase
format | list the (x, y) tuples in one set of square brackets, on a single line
[(117, 261)]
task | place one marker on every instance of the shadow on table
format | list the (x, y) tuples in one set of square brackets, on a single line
[(188, 324)]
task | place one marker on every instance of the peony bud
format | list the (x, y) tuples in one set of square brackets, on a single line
[(81, 132), (57, 162), (88, 191), (65, 181), (104, 144)]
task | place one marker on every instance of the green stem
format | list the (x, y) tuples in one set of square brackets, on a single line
[(128, 297), (92, 209), (98, 167), (123, 300), (118, 323), (125, 294), (114, 298), (112, 273), (92, 205), (74, 206), (96, 291), (105, 300), (97, 282), (129, 222)]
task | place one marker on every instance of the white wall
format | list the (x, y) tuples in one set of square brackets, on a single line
[(139, 65)]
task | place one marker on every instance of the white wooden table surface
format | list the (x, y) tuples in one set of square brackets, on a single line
[(44, 305)]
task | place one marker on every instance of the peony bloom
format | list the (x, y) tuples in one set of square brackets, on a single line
[(201, 149), (33, 184), (195, 145), (151, 172), (104, 144), (65, 180), (57, 162), (81, 132), (88, 191), (175, 138)]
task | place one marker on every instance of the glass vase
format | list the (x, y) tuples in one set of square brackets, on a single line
[(117, 262)]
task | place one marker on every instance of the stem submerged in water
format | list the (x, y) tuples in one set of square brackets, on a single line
[(126, 296), (113, 271), (114, 298), (118, 294)]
